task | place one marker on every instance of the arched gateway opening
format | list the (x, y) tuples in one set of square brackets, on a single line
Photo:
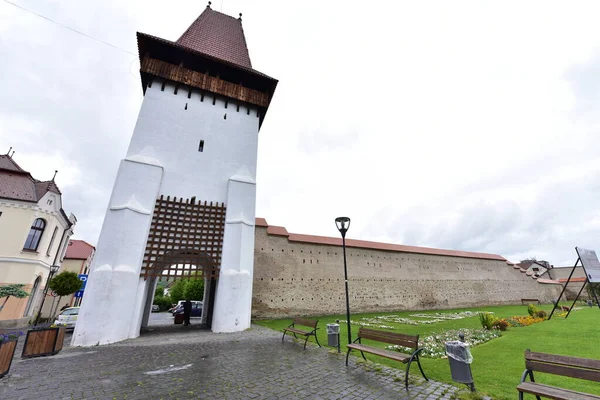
[(184, 264), (185, 241)]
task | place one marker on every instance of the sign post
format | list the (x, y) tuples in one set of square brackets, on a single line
[(591, 268), (83, 278)]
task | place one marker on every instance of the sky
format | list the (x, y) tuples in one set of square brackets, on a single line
[(466, 125)]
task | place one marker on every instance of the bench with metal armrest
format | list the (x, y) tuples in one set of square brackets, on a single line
[(574, 367), (293, 329), (410, 341)]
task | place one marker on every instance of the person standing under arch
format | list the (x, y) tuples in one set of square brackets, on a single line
[(187, 312)]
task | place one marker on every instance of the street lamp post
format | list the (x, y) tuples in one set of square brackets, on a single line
[(53, 270), (343, 223)]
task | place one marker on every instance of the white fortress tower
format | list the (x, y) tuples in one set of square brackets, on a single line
[(184, 197)]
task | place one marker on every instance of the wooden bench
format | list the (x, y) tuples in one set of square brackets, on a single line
[(574, 367), (530, 301), (409, 341), (306, 333)]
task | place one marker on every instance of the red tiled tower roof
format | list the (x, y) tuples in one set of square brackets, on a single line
[(210, 56), (218, 35), (79, 250)]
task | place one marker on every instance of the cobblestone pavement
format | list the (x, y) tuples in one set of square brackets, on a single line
[(179, 362)]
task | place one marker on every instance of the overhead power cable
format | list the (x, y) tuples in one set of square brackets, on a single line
[(69, 28)]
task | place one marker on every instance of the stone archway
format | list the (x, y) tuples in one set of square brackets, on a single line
[(183, 264)]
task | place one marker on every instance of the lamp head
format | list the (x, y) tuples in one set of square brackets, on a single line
[(54, 269), (343, 224)]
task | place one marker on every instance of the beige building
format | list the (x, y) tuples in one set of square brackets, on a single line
[(77, 259), (34, 232)]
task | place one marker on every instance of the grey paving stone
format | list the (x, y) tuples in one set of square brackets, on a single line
[(174, 362)]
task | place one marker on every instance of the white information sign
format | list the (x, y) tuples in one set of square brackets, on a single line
[(590, 263)]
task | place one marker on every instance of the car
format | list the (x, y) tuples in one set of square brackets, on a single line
[(176, 306), (155, 308), (196, 309), (68, 317)]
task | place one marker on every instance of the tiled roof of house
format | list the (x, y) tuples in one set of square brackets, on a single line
[(578, 279), (549, 281), (18, 184), (294, 237), (79, 250), (7, 163), (218, 35)]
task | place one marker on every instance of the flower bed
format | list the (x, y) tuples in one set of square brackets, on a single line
[(434, 343), (527, 320), (382, 321)]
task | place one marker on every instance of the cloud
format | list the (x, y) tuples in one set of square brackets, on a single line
[(463, 125)]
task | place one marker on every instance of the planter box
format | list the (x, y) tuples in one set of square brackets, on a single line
[(43, 342), (7, 351)]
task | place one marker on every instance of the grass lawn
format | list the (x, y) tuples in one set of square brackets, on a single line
[(498, 364)]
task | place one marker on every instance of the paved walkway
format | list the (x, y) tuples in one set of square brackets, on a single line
[(179, 362)]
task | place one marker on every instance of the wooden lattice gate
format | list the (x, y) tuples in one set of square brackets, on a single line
[(185, 237)]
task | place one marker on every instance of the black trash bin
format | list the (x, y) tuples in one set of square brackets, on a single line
[(333, 334), (460, 359)]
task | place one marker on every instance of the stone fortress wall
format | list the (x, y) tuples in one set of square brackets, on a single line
[(304, 275)]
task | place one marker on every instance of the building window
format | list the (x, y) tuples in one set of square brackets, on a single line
[(52, 240), (35, 234)]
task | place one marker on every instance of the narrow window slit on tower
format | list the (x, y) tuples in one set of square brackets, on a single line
[(214, 100), (162, 88), (176, 89), (226, 103), (201, 146), (248, 112), (186, 106), (149, 82), (201, 96), (238, 107), (190, 93)]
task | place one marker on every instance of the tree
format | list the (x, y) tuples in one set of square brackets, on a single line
[(14, 290), (64, 284), (591, 288), (163, 302), (194, 289), (159, 291), (177, 290)]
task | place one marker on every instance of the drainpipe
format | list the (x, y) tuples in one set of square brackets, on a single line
[(60, 246)]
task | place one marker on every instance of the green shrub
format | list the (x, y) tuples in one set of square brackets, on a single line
[(532, 310), (177, 290), (163, 302), (487, 320)]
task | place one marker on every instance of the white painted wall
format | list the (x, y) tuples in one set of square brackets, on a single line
[(233, 299), (173, 134), (112, 310), (163, 159)]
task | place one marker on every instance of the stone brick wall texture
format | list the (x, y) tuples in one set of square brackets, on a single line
[(294, 278)]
